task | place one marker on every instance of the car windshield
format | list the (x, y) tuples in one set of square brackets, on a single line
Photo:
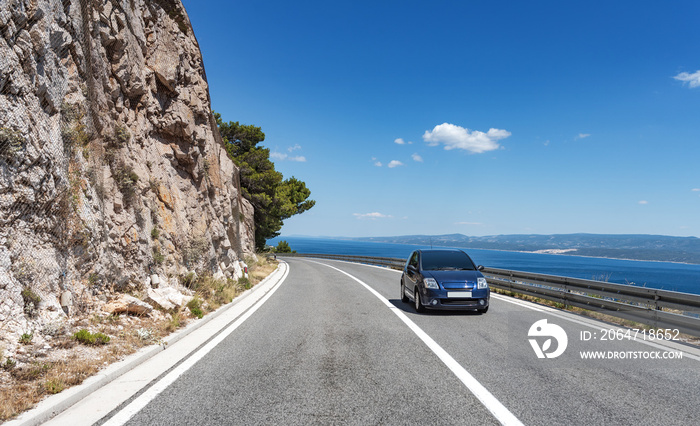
[(446, 261)]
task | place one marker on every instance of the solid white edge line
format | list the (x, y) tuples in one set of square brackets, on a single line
[(151, 393), (518, 302), (565, 315), (586, 322), (489, 401)]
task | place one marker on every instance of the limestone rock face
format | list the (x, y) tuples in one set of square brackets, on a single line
[(111, 166)]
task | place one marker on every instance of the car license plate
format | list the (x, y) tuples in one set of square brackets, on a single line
[(459, 294)]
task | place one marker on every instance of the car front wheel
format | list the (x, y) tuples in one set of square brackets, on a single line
[(419, 304)]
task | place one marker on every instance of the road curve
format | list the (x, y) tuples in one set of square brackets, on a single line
[(324, 349)]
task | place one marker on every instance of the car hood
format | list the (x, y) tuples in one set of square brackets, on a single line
[(455, 279)]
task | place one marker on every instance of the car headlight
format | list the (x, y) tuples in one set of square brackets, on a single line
[(431, 283), (481, 283)]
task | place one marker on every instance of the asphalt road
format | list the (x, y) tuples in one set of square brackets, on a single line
[(325, 349)]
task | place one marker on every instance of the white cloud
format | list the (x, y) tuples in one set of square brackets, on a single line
[(643, 202), (375, 215), (394, 163), (456, 137), (400, 141), (294, 148), (695, 189), (378, 163), (582, 136), (693, 79), (278, 155), (417, 158), (469, 223), (282, 157)]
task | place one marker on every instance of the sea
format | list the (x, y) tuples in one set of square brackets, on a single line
[(660, 275)]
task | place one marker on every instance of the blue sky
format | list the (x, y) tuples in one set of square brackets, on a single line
[(473, 117)]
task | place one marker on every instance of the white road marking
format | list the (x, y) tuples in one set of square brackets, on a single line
[(688, 352), (145, 398), (592, 323), (518, 302), (498, 410)]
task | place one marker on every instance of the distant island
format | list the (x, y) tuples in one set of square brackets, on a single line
[(633, 246)]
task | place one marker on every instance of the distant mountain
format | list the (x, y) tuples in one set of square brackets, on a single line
[(632, 246)]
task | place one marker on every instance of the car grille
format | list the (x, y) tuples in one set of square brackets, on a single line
[(450, 285)]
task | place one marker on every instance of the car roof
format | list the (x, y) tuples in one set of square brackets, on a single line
[(448, 249)]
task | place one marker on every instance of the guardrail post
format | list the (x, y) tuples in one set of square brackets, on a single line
[(656, 300)]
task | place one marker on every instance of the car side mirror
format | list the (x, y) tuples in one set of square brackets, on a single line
[(412, 269), (480, 268)]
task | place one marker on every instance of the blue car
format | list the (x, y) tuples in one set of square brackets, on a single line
[(444, 279)]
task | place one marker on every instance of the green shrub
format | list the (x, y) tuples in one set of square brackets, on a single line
[(101, 339), (158, 257), (26, 338), (93, 278), (195, 306), (197, 312), (11, 143), (75, 136), (85, 337), (126, 178), (54, 386), (155, 233), (174, 322), (283, 247), (74, 132), (244, 282), (122, 135), (9, 364), (30, 297), (31, 302)]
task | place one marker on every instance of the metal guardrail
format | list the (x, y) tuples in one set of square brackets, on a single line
[(657, 308), (389, 262)]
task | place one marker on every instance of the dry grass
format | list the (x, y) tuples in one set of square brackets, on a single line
[(215, 293), (258, 271), (68, 363)]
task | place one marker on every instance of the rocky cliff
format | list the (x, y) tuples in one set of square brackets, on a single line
[(111, 165)]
